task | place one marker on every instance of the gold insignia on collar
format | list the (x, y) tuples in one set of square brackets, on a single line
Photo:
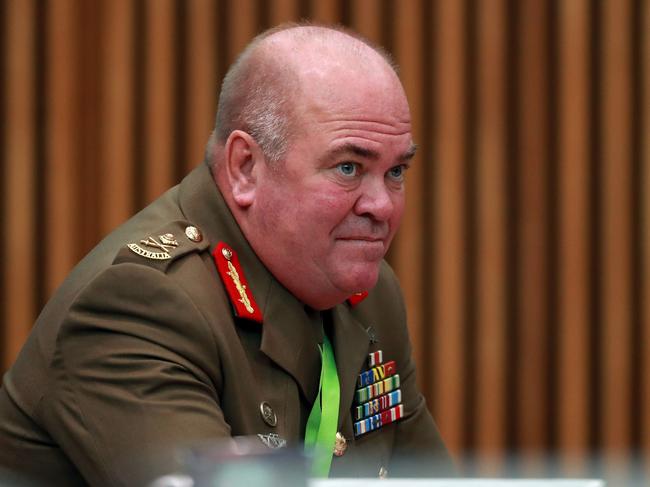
[(241, 289), (234, 280)]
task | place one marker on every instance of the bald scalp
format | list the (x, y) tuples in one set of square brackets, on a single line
[(261, 92)]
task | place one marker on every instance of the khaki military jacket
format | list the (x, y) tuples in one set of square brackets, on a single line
[(139, 352)]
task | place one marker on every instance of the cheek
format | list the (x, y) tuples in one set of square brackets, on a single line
[(398, 210), (274, 211), (299, 219), (328, 207)]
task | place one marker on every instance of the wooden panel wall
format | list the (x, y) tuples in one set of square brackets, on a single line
[(524, 253)]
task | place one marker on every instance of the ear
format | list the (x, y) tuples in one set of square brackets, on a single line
[(243, 158)]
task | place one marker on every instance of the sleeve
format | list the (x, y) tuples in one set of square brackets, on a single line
[(137, 376)]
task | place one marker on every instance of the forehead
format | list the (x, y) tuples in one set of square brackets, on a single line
[(344, 89), (352, 83), (371, 109), (376, 136)]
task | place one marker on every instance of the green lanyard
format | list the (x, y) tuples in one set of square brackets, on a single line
[(320, 434)]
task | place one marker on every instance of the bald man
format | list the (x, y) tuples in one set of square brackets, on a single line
[(251, 299)]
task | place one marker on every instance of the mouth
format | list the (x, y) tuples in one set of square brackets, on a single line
[(371, 248), (362, 239)]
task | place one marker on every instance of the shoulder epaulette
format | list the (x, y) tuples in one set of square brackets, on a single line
[(163, 246)]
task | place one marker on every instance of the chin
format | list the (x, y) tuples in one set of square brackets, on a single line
[(361, 279)]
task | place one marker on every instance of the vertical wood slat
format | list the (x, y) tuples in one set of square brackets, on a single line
[(90, 71), (616, 227), (491, 299), (117, 109), (366, 17), (283, 11), (448, 210), (242, 23), (62, 148), (160, 96), (532, 347), (409, 252), (18, 180), (573, 256), (201, 83), (645, 235), (4, 68), (328, 12)]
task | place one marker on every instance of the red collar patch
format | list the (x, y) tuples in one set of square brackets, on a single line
[(232, 276), (356, 298)]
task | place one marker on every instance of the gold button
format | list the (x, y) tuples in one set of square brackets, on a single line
[(227, 253), (383, 473), (193, 233), (268, 415), (340, 444)]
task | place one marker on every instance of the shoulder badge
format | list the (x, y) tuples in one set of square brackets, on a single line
[(233, 278), (162, 247), (156, 249), (356, 298)]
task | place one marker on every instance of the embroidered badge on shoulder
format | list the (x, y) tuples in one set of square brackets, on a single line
[(164, 244), (379, 398), (233, 278)]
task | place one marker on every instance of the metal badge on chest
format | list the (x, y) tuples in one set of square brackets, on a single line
[(268, 415)]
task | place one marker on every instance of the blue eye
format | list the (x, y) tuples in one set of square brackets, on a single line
[(347, 168), (397, 172)]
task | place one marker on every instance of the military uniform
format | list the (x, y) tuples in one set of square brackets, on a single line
[(142, 348)]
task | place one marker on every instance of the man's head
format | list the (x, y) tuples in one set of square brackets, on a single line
[(311, 143)]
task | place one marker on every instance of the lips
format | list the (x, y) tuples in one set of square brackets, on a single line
[(365, 231), (369, 249), (363, 239)]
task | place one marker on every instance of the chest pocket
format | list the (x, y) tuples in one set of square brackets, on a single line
[(259, 397)]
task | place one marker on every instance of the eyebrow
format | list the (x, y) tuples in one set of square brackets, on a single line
[(409, 154), (357, 150)]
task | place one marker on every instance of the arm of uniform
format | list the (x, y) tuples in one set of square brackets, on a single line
[(136, 375)]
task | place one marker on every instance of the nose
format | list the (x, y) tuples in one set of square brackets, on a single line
[(375, 201)]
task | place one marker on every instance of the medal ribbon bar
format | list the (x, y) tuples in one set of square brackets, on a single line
[(378, 405), (378, 420)]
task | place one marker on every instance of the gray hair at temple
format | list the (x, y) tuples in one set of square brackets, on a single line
[(259, 90)]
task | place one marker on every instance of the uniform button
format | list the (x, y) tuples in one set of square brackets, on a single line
[(340, 444), (268, 415), (193, 233), (227, 253), (383, 473)]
